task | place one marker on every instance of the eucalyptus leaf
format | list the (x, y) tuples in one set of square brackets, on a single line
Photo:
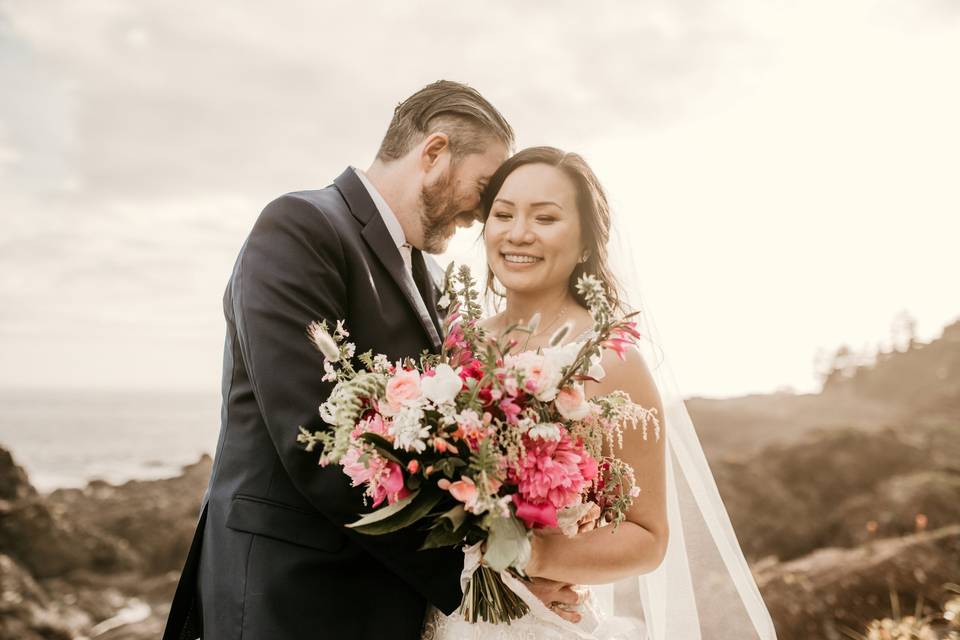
[(507, 544)]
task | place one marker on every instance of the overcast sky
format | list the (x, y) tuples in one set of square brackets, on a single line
[(785, 175)]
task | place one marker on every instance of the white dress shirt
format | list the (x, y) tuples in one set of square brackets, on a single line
[(389, 219)]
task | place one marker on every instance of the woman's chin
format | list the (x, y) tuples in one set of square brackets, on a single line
[(520, 283)]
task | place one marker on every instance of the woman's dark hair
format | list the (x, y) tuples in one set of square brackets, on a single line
[(591, 205)]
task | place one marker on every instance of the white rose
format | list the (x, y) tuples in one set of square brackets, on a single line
[(572, 404), (443, 386)]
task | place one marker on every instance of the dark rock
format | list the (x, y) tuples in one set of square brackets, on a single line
[(830, 590), (154, 519), (783, 501), (26, 611)]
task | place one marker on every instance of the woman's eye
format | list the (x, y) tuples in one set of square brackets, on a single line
[(546, 219), (502, 216)]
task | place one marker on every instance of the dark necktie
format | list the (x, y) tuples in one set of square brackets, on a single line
[(422, 278)]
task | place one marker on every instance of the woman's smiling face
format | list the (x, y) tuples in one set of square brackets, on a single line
[(532, 235)]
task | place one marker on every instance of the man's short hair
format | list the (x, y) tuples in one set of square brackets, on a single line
[(455, 109)]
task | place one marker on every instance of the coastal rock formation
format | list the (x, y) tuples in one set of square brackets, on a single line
[(830, 590), (95, 562)]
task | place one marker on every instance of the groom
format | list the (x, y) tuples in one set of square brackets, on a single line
[(271, 557)]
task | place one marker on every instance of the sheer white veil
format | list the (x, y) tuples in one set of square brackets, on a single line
[(703, 589)]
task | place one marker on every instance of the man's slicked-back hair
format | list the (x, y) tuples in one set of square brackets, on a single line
[(455, 109)]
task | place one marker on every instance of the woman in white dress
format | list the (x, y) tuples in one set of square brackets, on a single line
[(547, 221)]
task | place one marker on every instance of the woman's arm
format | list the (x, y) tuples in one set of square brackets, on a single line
[(638, 544)]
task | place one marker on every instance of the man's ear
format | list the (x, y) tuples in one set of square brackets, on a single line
[(433, 149)]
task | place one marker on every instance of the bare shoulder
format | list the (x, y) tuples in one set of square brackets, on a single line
[(631, 375)]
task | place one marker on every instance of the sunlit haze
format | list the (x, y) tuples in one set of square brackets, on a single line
[(784, 176)]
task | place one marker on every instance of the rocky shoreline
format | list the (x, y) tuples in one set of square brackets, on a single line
[(103, 561), (98, 562)]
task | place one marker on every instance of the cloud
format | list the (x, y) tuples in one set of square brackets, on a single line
[(138, 141)]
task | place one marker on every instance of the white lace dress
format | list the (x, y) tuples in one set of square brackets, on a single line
[(540, 624)]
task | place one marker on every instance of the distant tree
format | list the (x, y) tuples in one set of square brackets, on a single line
[(903, 331), (842, 366)]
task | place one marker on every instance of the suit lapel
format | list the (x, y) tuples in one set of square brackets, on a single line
[(381, 244)]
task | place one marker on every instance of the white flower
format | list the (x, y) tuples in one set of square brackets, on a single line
[(443, 386), (468, 419), (341, 330), (572, 403), (545, 431), (596, 370), (540, 373), (330, 374), (323, 342), (408, 430), (444, 301), (561, 357), (381, 362), (326, 412)]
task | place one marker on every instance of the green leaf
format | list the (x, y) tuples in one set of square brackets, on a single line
[(455, 516), (449, 465), (507, 543), (401, 514), (385, 512), (442, 536), (413, 483), (383, 446)]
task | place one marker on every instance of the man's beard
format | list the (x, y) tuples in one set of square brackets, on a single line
[(437, 211)]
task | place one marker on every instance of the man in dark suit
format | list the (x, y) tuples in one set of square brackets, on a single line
[(271, 558)]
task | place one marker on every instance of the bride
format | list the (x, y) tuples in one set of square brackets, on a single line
[(673, 569)]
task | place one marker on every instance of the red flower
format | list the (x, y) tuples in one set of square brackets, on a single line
[(535, 516)]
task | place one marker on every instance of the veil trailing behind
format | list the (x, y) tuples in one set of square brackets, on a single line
[(703, 589)]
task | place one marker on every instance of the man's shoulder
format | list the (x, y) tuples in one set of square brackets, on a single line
[(313, 208)]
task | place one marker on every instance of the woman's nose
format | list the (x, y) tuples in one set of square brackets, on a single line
[(520, 232)]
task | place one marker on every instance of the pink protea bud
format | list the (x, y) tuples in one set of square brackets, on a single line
[(413, 466)]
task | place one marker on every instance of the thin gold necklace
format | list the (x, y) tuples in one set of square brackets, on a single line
[(560, 314)]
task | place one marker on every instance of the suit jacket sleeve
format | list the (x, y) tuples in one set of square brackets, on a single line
[(291, 272)]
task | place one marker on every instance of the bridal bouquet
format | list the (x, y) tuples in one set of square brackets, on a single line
[(481, 445)]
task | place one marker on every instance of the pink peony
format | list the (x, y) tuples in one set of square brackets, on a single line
[(554, 471)]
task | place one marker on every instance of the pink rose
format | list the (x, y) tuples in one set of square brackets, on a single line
[(572, 403), (403, 387), (535, 516)]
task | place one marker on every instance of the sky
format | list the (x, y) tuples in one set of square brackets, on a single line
[(784, 175)]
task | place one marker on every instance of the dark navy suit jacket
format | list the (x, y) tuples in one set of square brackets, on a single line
[(271, 558)]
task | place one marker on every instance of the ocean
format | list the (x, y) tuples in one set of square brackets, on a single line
[(66, 438)]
